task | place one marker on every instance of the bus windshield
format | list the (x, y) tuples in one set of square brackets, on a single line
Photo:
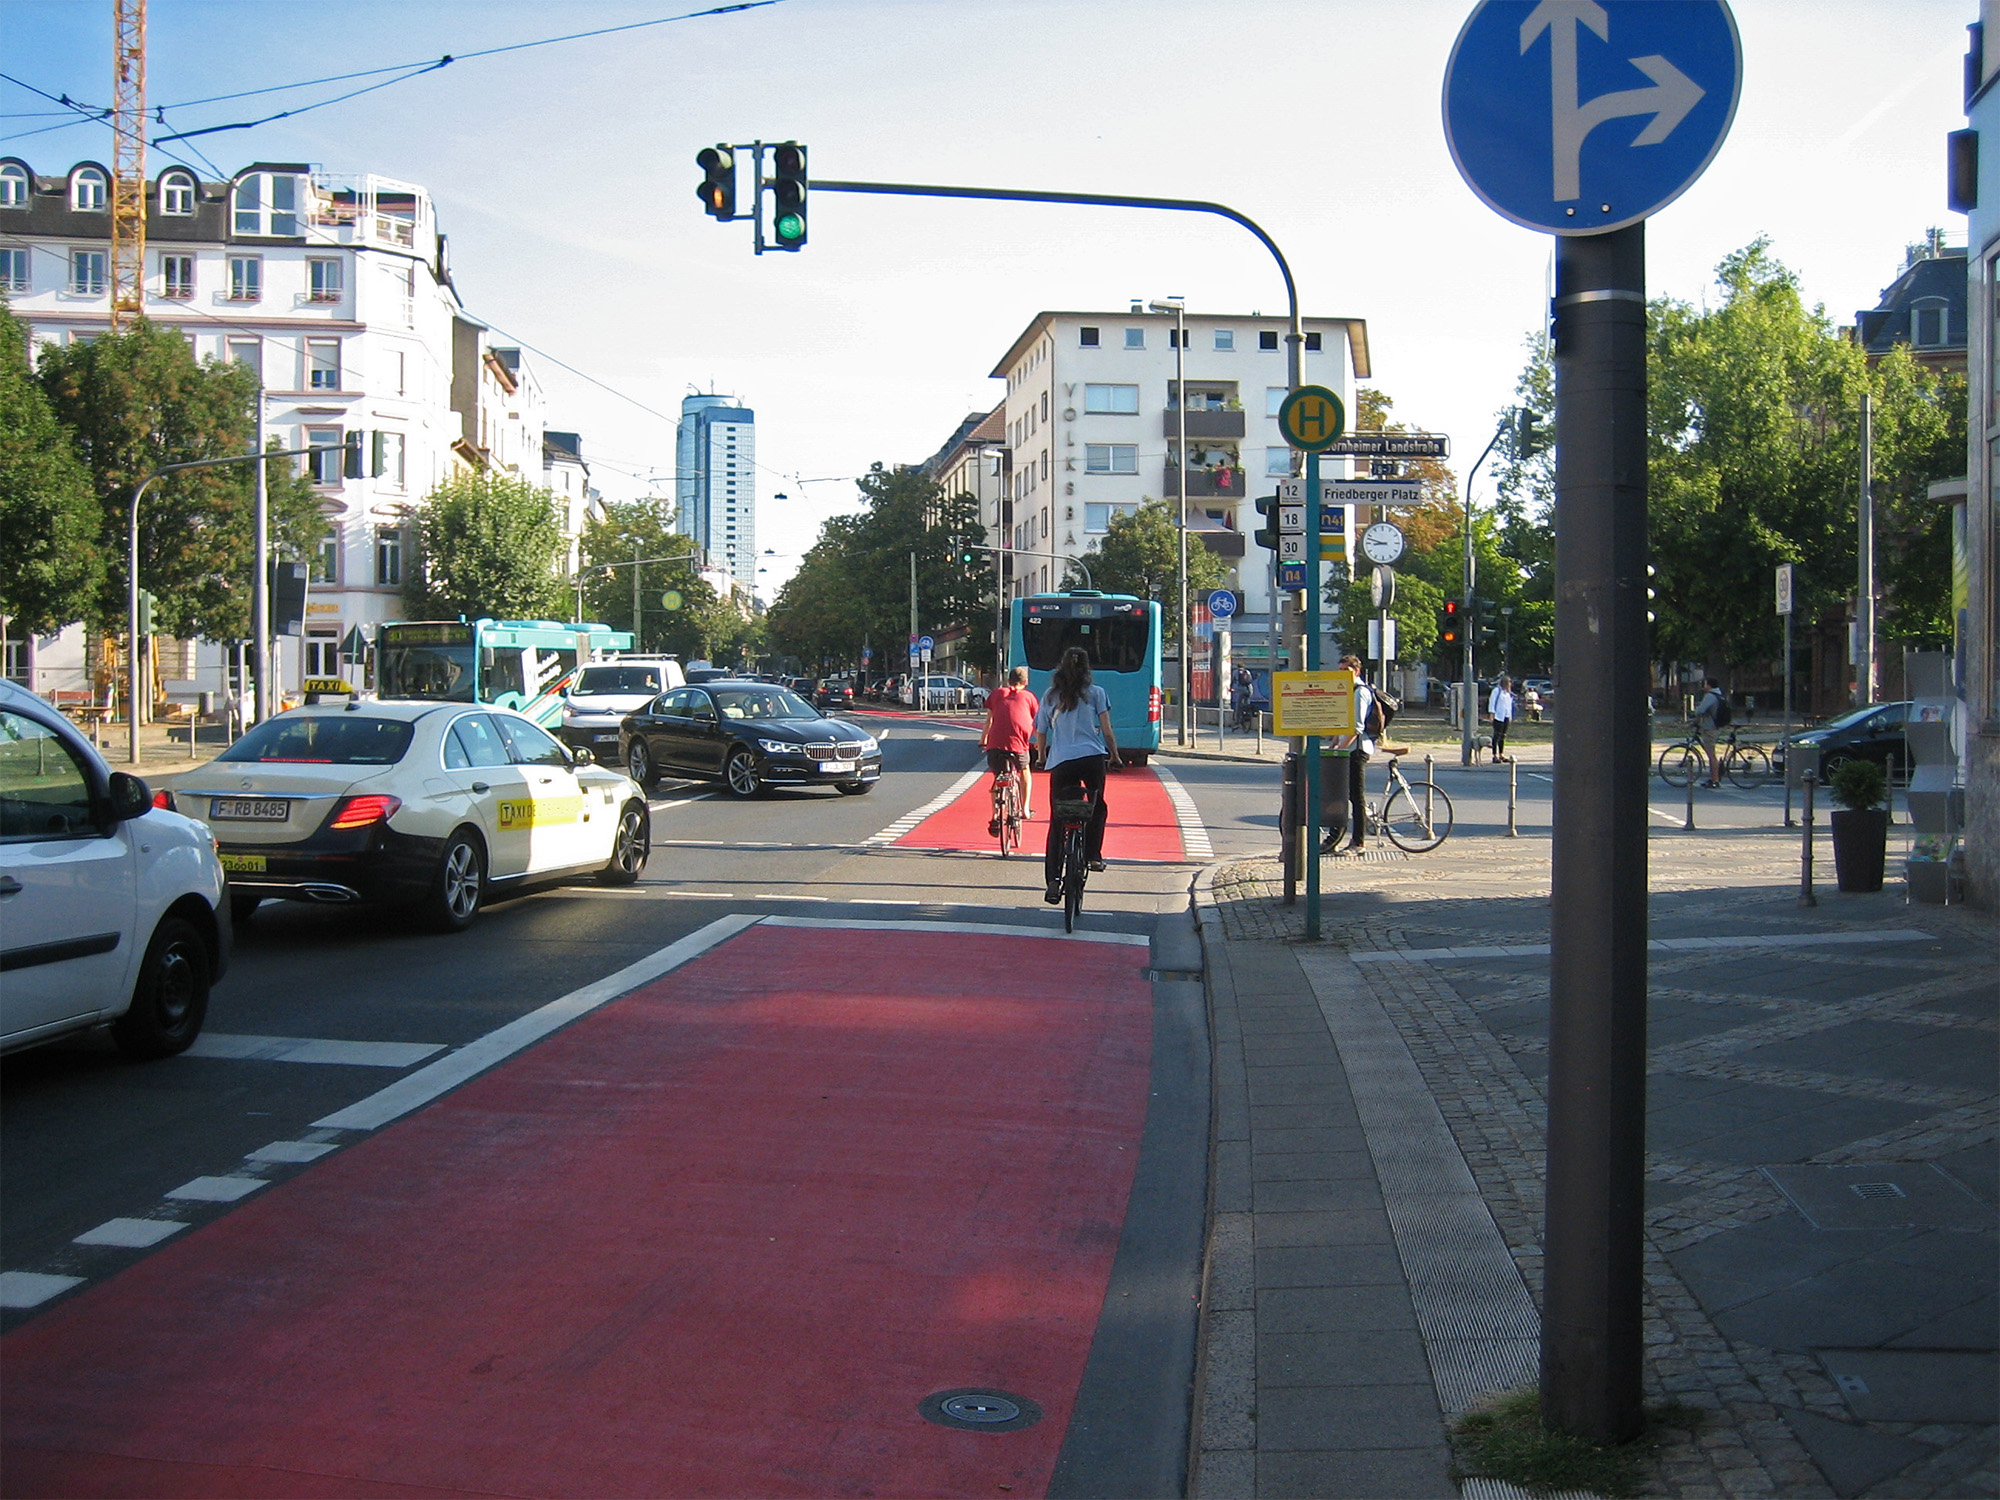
[(1117, 643), (426, 668)]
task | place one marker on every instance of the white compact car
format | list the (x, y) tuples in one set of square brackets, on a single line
[(424, 805), (111, 910)]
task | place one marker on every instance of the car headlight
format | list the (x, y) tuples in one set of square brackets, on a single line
[(779, 747), (867, 746)]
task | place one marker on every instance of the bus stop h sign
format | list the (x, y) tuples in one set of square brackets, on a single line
[(1583, 116)]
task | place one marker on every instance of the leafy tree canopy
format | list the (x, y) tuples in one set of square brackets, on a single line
[(642, 530), (48, 510), (1140, 555), (487, 544)]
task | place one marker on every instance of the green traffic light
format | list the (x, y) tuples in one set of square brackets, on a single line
[(790, 227)]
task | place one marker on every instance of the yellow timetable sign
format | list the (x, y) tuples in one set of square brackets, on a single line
[(1312, 702)]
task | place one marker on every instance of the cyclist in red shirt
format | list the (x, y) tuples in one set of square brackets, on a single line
[(1010, 729)]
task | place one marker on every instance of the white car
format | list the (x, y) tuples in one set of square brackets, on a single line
[(942, 692), (425, 805), (605, 692), (112, 910)]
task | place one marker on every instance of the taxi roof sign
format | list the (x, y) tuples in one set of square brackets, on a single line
[(1312, 418)]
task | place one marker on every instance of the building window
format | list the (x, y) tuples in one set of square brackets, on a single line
[(177, 195), (1111, 458), (1274, 397), (13, 186), (1098, 518), (389, 556), (399, 370), (248, 352), (1277, 462), (1086, 338), (86, 273), (323, 652), (1312, 343), (86, 190), (323, 364), (267, 203), (323, 463), (246, 278), (177, 277), (13, 270), (1135, 338), (325, 280), (1114, 400), (1225, 338), (1929, 325), (326, 560), (388, 459), (1267, 338)]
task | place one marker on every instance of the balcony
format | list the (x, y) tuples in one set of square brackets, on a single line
[(1221, 543), (1203, 424), (1226, 481)]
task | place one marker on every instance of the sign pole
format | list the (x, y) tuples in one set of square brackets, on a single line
[(1591, 1347), (1312, 798)]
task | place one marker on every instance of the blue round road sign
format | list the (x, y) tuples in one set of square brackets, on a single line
[(924, 643), (1582, 116), (1221, 604)]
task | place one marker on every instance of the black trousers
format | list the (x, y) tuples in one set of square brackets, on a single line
[(1500, 737), (1063, 783), (1357, 795)]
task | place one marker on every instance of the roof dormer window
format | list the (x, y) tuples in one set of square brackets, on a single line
[(267, 203), (86, 190), (1929, 325), (177, 194), (13, 185)]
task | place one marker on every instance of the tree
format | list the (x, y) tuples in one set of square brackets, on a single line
[(1415, 611), (1140, 555), (487, 545), (641, 530), (48, 513), (137, 400)]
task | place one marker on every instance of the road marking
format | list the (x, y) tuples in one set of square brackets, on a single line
[(469, 1061), (308, 1049), (216, 1189), (984, 929), (32, 1288), (129, 1234), (775, 896), (938, 803), (881, 901), (291, 1151), (1657, 945), (1194, 834)]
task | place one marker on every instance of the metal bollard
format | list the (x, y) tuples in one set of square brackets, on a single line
[(1806, 896), (1258, 714), (1688, 827), (1513, 788), (1430, 785)]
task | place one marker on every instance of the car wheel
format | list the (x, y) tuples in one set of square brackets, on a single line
[(171, 997), (739, 774), (629, 848), (856, 788), (1830, 766), (639, 766), (458, 889), (243, 906)]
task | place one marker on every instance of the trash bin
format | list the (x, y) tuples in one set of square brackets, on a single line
[(205, 705), (1333, 808)]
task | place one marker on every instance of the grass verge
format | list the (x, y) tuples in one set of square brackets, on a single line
[(1503, 1438)]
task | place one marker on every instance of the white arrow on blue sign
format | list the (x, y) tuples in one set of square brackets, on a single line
[(1583, 116), (1221, 604)]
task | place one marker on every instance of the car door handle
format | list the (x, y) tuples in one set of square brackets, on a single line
[(9, 886), (480, 786)]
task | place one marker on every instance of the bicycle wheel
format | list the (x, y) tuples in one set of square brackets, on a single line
[(1010, 821), (1679, 762), (1417, 817), (1073, 873), (1747, 767)]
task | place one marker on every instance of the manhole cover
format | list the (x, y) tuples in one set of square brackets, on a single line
[(980, 1411), (1876, 1190)]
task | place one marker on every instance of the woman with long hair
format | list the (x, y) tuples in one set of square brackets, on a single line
[(1074, 730)]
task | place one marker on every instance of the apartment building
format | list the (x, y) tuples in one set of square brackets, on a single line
[(1092, 418), (715, 483)]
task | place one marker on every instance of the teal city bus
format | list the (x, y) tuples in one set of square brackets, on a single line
[(1121, 636), (520, 664)]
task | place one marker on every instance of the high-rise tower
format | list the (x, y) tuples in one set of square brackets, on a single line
[(715, 458)]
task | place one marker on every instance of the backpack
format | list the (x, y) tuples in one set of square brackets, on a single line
[(1721, 716), (1382, 710)]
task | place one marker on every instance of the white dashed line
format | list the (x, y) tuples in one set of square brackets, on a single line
[(216, 1189), (129, 1234), (32, 1288), (291, 1151), (938, 803), (1194, 835)]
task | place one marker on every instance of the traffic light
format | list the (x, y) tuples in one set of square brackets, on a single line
[(1487, 611), (968, 554), (1450, 625), (1267, 534), (1530, 436), (145, 612), (788, 196), (718, 188)]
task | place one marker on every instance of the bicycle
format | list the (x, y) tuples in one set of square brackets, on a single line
[(1416, 815), (1747, 766), (1007, 811), (1072, 818)]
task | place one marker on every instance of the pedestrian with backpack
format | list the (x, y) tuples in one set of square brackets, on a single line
[(1711, 714), (1371, 719)]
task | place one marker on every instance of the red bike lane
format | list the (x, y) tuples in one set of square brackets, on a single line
[(721, 1236), (1142, 824)]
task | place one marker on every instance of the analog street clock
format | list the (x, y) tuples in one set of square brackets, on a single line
[(1382, 543)]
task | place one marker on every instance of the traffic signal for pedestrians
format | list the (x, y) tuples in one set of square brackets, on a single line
[(718, 187), (1487, 613), (788, 196), (145, 612), (1267, 534), (1530, 436), (1450, 631)]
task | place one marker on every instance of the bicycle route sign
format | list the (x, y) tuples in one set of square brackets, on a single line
[(1580, 117), (1221, 604)]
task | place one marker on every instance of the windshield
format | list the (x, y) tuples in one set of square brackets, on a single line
[(325, 739), (1116, 644), (441, 672), (1890, 715), (618, 680), (762, 703)]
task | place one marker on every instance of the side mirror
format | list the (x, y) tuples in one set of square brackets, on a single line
[(129, 797), (581, 756)]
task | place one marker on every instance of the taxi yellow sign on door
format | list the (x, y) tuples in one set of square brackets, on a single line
[(1312, 418)]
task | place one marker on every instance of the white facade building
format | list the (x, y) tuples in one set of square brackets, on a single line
[(1091, 419), (715, 486)]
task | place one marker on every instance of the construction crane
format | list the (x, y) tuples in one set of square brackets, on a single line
[(128, 162)]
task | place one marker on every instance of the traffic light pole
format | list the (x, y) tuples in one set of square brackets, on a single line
[(1468, 714)]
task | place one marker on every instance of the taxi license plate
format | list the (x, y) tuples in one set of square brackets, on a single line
[(243, 864), (836, 765), (250, 809)]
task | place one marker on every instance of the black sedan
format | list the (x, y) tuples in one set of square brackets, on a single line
[(835, 692), (1872, 733), (748, 736)]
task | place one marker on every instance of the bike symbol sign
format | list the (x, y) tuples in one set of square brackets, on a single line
[(1583, 116), (1221, 604)]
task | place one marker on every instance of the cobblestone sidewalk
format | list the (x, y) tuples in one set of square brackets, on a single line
[(1821, 1258)]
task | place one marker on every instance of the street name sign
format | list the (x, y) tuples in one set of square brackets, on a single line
[(1403, 492), (1392, 445), (1221, 604), (1312, 702), (1579, 117), (1312, 418)]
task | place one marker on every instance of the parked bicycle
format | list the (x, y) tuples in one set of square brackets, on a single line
[(1416, 815), (1747, 766), (1007, 812), (1072, 820)]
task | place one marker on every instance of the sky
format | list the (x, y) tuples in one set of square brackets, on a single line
[(564, 176)]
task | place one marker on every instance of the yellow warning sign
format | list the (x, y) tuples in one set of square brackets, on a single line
[(1312, 418), (1312, 702)]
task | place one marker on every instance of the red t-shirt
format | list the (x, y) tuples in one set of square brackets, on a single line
[(1010, 720)]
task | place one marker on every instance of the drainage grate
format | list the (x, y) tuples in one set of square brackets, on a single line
[(979, 1410), (1876, 1190)]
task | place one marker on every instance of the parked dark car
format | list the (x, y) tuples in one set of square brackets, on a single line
[(835, 692), (749, 736), (1872, 733), (709, 674), (803, 686)]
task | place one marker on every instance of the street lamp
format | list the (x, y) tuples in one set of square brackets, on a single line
[(1178, 307)]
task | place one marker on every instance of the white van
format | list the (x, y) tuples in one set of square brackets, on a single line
[(604, 692)]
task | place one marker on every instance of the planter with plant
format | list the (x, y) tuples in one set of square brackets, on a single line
[(1860, 825)]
